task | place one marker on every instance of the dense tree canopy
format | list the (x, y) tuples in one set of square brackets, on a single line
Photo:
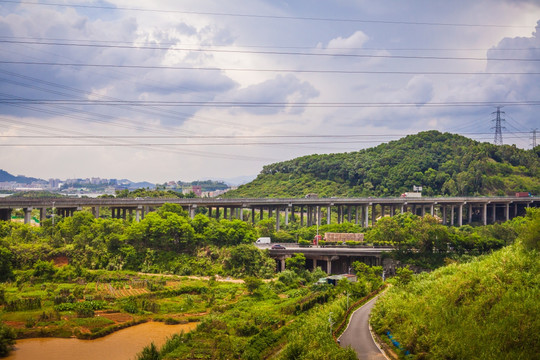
[(443, 163)]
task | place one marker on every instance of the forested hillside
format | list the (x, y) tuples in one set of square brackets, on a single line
[(443, 163)]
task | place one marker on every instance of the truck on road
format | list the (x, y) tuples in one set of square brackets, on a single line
[(263, 240), (411, 195)]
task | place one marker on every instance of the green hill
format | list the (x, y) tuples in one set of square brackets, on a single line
[(443, 163), (485, 309), (7, 177)]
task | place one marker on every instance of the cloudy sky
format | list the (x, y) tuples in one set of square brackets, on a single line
[(194, 89)]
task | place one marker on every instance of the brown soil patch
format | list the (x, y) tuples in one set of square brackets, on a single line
[(116, 317), (61, 261), (14, 324)]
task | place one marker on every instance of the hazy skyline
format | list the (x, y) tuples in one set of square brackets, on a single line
[(188, 90)]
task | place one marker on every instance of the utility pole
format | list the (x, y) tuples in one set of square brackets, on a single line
[(498, 128), (533, 141)]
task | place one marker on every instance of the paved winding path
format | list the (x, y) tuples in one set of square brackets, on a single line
[(357, 334)]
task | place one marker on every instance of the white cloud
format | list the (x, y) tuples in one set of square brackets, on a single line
[(241, 46)]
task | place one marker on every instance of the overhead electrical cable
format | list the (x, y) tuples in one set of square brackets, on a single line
[(196, 49), (165, 45), (245, 104), (43, 63), (259, 16)]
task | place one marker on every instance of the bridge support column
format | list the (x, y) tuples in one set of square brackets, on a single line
[(452, 216), (124, 212), (432, 209), (302, 215), (328, 214), (507, 211), (277, 218), (484, 214), (460, 215), (423, 212), (95, 211), (373, 215), (192, 209), (356, 215), (286, 215), (382, 211), (42, 212), (293, 219), (349, 213), (314, 264), (5, 214), (470, 214), (494, 214), (28, 215), (366, 215), (253, 215), (138, 211)]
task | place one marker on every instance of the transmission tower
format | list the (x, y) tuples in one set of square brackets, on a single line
[(533, 141), (498, 128)]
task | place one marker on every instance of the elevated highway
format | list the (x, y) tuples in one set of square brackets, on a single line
[(336, 260), (308, 211)]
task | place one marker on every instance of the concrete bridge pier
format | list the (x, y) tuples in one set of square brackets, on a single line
[(27, 214), (95, 211), (42, 215), (366, 216), (192, 209), (5, 214)]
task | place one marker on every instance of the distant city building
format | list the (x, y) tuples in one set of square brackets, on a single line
[(197, 190)]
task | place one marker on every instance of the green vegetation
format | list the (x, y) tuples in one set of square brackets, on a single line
[(486, 308), (443, 163), (286, 318)]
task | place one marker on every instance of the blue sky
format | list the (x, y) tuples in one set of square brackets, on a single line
[(187, 90)]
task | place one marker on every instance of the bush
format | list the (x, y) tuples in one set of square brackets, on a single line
[(7, 339)]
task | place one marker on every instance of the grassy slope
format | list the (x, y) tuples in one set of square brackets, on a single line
[(485, 309)]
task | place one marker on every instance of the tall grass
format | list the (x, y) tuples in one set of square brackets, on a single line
[(486, 309)]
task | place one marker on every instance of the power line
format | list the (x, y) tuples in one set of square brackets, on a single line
[(165, 45), (77, 102), (265, 70), (258, 16), (197, 49)]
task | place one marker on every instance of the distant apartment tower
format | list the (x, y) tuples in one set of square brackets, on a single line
[(197, 190), (54, 183)]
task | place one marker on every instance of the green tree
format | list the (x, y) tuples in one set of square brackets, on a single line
[(6, 269), (44, 270), (530, 232), (248, 260), (7, 339), (296, 263), (404, 275), (252, 284)]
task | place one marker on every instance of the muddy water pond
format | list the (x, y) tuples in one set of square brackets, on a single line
[(124, 344)]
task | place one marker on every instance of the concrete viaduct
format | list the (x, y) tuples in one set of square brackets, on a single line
[(332, 259), (454, 211)]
